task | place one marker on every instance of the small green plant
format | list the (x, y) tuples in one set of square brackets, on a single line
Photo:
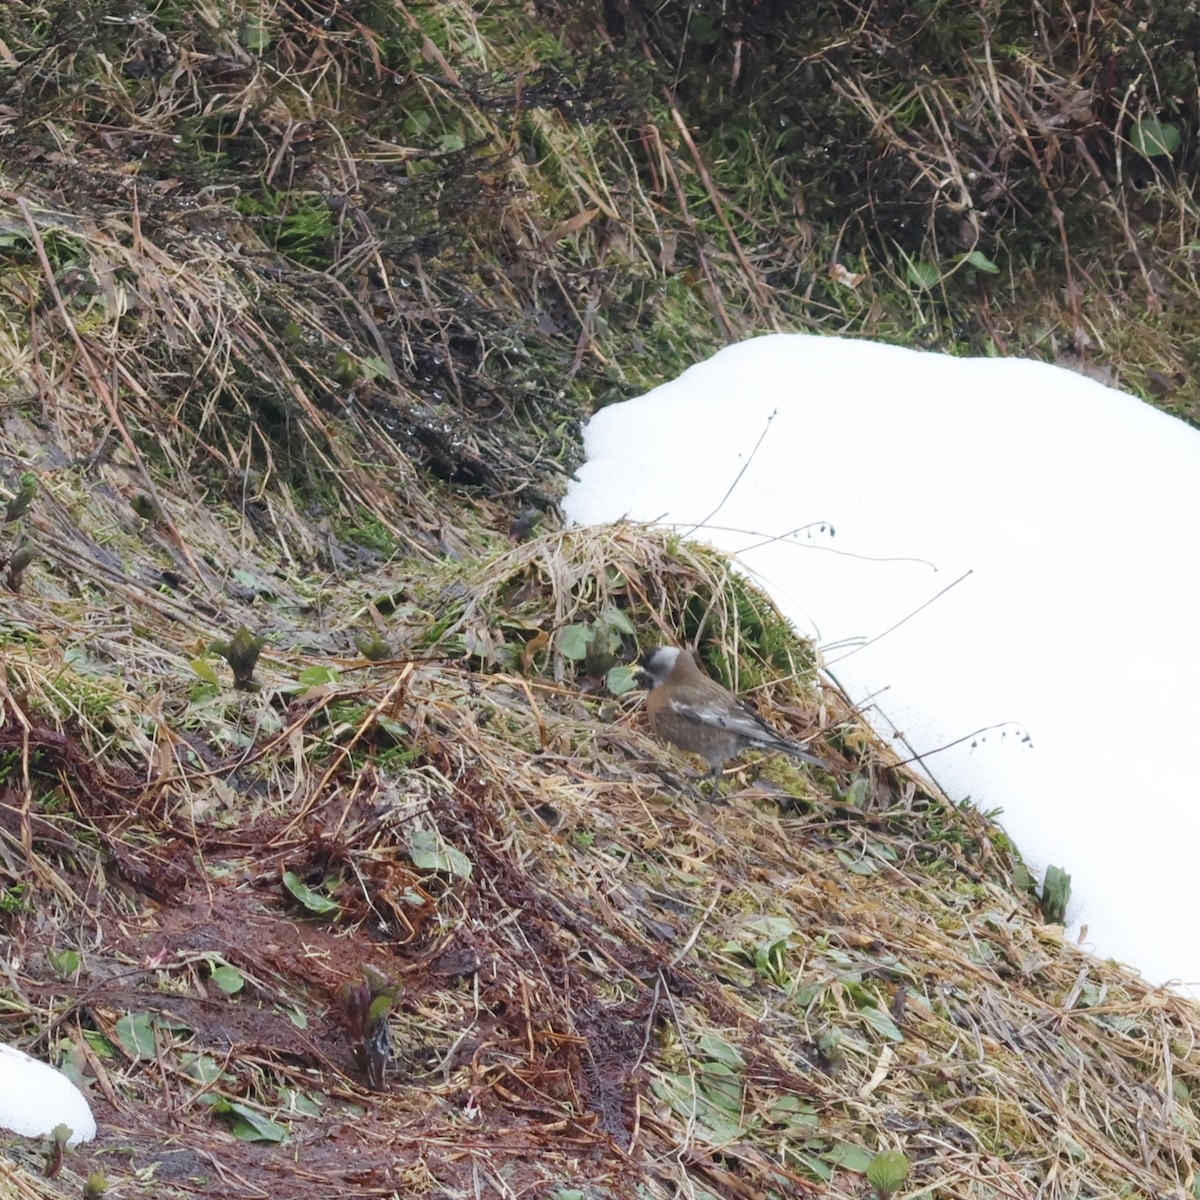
[(245, 1123), (596, 645), (316, 902), (829, 1049), (12, 898), (367, 1006), (22, 553), (64, 963), (768, 954), (316, 677), (887, 1172), (429, 851), (1056, 894), (144, 506), (374, 535), (228, 978), (1153, 138), (20, 558), (373, 647), (709, 1091), (18, 506), (297, 225), (60, 1135), (241, 653)]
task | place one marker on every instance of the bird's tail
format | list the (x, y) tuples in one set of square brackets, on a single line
[(798, 751)]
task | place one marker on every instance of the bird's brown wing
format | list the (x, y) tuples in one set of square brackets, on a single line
[(740, 722)]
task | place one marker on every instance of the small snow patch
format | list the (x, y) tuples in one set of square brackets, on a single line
[(34, 1098)]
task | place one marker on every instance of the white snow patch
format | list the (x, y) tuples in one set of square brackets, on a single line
[(34, 1098)]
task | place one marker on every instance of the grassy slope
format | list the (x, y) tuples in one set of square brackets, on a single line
[(299, 307)]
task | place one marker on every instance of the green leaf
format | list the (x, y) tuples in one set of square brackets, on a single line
[(982, 952), (720, 1050), (829, 1043), (72, 1061), (860, 866), (449, 143), (135, 1032), (618, 620), (702, 28), (430, 853), (99, 1044), (822, 1170), (202, 1068), (981, 262), (294, 1101), (64, 963), (252, 581), (374, 367), (204, 670), (922, 274), (313, 901), (793, 1114), (849, 1157), (312, 677), (1151, 137), (573, 642), (254, 36), (79, 660), (1056, 893), (297, 1016), (397, 732), (689, 1101), (229, 979), (18, 506), (248, 1125), (859, 791), (721, 1087), (887, 1171), (881, 1023), (380, 1007), (808, 992), (620, 680), (772, 929)]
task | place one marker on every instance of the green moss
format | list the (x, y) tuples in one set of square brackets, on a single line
[(297, 225), (373, 534)]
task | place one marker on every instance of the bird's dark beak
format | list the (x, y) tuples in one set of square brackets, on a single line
[(641, 678)]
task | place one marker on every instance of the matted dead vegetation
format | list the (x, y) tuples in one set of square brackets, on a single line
[(299, 306), (603, 982)]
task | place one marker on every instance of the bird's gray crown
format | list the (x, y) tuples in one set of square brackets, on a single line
[(657, 664)]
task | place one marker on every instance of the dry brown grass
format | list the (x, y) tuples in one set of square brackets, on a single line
[(632, 986), (295, 373)]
